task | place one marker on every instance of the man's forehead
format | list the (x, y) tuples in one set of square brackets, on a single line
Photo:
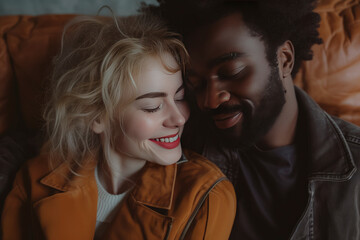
[(226, 35), (230, 19), (226, 28)]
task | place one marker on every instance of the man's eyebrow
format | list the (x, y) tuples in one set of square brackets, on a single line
[(158, 94), (224, 58)]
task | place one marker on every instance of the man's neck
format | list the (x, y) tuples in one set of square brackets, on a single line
[(282, 133)]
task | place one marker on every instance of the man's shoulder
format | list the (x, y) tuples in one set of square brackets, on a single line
[(350, 131)]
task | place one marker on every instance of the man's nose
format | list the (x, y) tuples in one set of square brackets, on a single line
[(213, 96), (175, 117)]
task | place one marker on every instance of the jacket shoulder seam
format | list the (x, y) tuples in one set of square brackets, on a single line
[(353, 139), (197, 159)]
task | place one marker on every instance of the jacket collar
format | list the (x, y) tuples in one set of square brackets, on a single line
[(330, 156), (147, 189), (63, 179), (149, 192), (74, 206)]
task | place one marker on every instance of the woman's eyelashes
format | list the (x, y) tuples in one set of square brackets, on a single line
[(151, 105), (155, 108), (152, 109)]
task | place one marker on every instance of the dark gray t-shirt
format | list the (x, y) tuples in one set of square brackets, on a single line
[(271, 192)]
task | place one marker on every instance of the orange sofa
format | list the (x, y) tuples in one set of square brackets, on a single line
[(28, 43)]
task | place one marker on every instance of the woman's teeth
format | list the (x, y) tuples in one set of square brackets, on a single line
[(172, 139)]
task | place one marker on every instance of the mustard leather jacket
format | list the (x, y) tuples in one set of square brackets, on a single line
[(55, 204)]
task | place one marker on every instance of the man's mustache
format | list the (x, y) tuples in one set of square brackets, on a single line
[(225, 109)]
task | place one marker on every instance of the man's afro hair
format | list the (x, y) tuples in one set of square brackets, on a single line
[(275, 21)]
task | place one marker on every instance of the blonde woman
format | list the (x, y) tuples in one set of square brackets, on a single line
[(113, 166)]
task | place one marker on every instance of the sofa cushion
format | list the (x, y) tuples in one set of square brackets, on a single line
[(8, 104), (32, 44)]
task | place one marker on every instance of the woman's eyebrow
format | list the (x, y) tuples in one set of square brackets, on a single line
[(158, 94), (152, 95)]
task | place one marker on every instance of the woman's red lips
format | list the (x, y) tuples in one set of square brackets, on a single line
[(224, 121), (168, 142)]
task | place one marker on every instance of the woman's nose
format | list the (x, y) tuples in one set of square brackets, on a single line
[(177, 115)]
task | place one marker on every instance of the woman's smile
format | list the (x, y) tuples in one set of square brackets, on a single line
[(168, 142)]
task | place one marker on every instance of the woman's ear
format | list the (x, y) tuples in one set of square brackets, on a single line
[(286, 57), (98, 126)]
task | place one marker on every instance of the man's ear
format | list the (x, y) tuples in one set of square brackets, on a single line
[(98, 126), (286, 57)]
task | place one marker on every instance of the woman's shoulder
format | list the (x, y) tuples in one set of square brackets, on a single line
[(202, 191), (36, 168), (33, 171), (196, 173), (38, 178), (200, 164), (28, 177)]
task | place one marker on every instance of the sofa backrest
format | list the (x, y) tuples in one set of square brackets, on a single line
[(332, 78), (28, 44)]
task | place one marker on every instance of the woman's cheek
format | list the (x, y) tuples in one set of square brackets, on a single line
[(142, 128)]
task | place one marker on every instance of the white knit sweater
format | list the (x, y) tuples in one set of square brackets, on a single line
[(106, 207)]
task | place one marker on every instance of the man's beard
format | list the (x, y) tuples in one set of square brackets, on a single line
[(258, 120)]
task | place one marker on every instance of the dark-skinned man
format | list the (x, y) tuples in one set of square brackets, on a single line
[(293, 166)]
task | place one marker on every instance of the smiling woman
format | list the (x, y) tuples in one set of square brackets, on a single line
[(154, 121), (113, 166)]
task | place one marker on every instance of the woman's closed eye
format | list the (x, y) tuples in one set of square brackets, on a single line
[(152, 109)]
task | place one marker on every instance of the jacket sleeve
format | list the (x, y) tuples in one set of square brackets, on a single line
[(216, 216), (15, 222)]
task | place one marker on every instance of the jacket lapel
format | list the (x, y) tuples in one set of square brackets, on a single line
[(143, 214), (330, 156), (70, 213)]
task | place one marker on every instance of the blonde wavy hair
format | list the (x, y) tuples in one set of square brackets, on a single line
[(95, 75)]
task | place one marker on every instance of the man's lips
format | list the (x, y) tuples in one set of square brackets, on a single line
[(228, 120), (168, 142)]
